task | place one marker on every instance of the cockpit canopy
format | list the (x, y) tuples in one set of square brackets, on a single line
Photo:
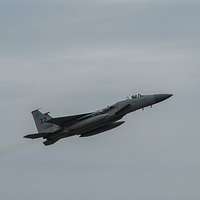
[(136, 96)]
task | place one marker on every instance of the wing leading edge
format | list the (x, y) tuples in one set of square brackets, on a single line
[(68, 120)]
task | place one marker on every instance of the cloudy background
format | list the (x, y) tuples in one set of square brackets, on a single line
[(75, 56)]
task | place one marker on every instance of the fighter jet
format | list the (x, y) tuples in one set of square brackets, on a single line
[(93, 123)]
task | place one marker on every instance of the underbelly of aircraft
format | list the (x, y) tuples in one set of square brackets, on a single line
[(89, 124), (102, 129)]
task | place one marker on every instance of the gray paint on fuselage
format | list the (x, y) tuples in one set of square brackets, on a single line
[(98, 121)]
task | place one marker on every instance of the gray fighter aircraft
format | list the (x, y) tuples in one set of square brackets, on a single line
[(89, 124)]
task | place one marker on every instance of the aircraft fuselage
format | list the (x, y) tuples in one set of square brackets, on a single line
[(92, 123)]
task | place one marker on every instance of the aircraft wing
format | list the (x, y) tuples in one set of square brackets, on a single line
[(68, 120)]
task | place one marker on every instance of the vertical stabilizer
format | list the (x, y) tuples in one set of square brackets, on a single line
[(41, 122)]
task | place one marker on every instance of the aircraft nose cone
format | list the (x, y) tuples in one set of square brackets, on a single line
[(161, 97)]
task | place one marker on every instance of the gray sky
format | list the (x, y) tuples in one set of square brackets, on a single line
[(76, 56)]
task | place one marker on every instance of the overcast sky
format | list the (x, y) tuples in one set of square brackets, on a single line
[(75, 56)]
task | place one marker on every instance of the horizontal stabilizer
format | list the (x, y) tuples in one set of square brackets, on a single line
[(37, 135)]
